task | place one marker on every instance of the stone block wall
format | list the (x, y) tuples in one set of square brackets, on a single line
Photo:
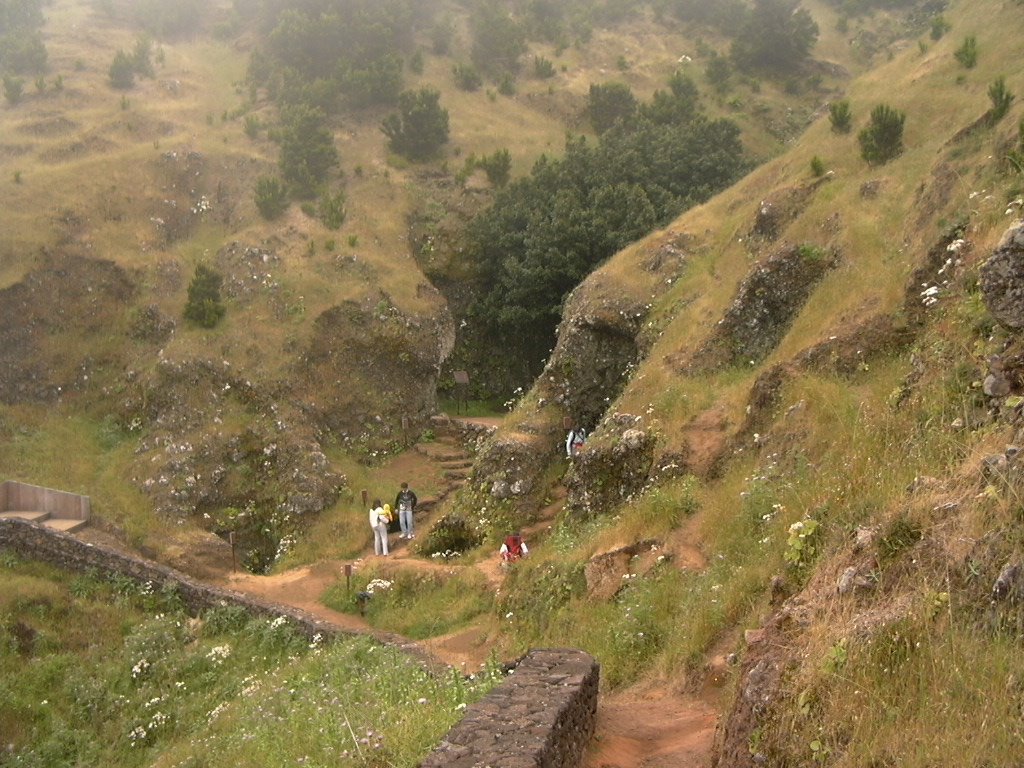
[(541, 716)]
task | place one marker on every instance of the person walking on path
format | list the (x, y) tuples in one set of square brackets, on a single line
[(405, 503), (379, 523), (574, 442), (513, 548)]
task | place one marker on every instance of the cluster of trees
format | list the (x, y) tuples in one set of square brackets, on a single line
[(771, 35), (21, 44), (544, 233), (126, 66)]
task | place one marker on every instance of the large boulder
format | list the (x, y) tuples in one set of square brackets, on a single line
[(1002, 279)]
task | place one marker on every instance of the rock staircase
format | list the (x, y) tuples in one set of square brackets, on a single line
[(450, 451), (59, 510)]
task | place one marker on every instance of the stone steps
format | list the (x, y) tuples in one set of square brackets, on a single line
[(43, 518)]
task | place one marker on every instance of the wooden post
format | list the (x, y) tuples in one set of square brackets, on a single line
[(231, 541), (461, 389), (364, 495), (348, 578)]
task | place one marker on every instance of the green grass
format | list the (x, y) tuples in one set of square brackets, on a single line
[(117, 675), (414, 603)]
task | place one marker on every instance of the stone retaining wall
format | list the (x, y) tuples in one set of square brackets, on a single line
[(541, 716)]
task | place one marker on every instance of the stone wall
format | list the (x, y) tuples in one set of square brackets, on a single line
[(542, 716)]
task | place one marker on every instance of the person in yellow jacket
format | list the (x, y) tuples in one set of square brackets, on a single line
[(380, 516)]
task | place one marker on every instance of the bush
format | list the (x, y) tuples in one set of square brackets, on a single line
[(421, 126), (14, 89), (939, 27), (1001, 99), (882, 140), (498, 167), (452, 534), (967, 53), (466, 77), (332, 209), (543, 68), (840, 117), (203, 306), (271, 197), (817, 166), (122, 71)]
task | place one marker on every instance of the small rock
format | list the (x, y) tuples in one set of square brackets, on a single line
[(864, 538), (1009, 583), (753, 636), (995, 386)]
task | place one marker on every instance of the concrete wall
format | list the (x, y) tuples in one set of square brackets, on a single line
[(22, 497), (541, 716)]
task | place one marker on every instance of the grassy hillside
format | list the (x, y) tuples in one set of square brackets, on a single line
[(822, 512)]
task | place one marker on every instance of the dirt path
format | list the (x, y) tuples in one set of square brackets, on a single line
[(636, 728)]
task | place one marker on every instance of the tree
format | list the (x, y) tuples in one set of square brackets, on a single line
[(307, 149), (498, 167), (498, 41), (777, 35), (882, 140), (609, 104), (14, 89), (271, 197), (420, 128), (122, 71), (840, 117), (203, 305), (1001, 98)]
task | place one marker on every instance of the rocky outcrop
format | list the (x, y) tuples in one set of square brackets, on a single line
[(389, 362), (765, 306), (47, 320), (1002, 279), (611, 468)]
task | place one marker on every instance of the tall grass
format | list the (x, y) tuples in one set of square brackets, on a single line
[(98, 672)]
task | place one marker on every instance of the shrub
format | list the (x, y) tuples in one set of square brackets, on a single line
[(939, 27), (271, 197), (203, 305), (718, 72), (1001, 99), (421, 126), (466, 77), (817, 166), (882, 140), (498, 167), (967, 53), (252, 126), (14, 89), (332, 209), (840, 116), (122, 71), (543, 68), (451, 534)]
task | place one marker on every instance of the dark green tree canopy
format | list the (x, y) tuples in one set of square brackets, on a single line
[(307, 149), (498, 40), (203, 305), (420, 128), (610, 103), (777, 35)]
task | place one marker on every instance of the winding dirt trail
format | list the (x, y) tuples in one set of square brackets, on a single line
[(642, 727)]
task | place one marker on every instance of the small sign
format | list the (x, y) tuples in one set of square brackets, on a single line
[(461, 377)]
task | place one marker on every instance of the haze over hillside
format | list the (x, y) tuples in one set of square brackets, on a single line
[(799, 396)]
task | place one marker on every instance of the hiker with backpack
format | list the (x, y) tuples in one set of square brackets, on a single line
[(574, 442), (513, 548), (405, 503), (380, 516)]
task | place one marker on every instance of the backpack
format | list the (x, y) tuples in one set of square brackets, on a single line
[(514, 544), (386, 513)]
